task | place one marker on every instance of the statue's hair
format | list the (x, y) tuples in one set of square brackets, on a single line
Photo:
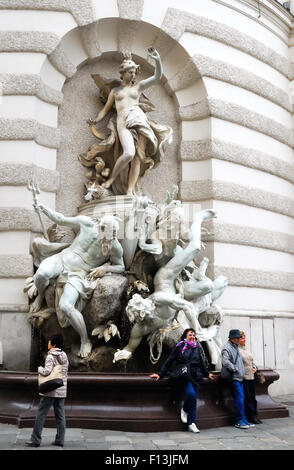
[(128, 63), (108, 219)]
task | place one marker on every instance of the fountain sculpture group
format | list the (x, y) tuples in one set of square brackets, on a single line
[(125, 285), (130, 271)]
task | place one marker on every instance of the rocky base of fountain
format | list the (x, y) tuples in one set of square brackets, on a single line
[(127, 402)]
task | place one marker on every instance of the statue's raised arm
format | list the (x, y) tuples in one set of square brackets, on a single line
[(143, 84), (57, 217)]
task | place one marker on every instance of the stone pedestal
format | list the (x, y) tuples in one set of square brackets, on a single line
[(127, 402)]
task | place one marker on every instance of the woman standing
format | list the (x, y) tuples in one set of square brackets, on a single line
[(250, 402), (188, 351), (56, 397)]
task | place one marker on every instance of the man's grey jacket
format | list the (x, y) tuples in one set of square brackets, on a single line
[(232, 364)]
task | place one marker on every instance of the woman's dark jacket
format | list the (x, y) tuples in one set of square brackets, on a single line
[(192, 356)]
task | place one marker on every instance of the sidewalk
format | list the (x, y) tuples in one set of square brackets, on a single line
[(273, 434)]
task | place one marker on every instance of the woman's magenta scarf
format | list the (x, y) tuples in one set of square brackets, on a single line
[(186, 343)]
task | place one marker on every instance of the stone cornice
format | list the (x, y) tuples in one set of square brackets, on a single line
[(232, 112), (16, 266), (203, 190), (258, 313), (177, 22), (255, 278), (29, 129), (29, 84), (202, 66), (14, 308), (18, 174), (81, 10), (223, 232), (20, 218), (266, 9), (222, 150), (28, 41)]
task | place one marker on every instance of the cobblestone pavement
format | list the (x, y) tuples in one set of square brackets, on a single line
[(273, 434)]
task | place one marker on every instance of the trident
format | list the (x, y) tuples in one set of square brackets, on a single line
[(34, 188)]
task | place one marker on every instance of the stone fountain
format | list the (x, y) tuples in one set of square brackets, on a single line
[(124, 289)]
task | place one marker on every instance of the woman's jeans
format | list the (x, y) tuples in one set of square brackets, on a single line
[(238, 399), (190, 401), (44, 406)]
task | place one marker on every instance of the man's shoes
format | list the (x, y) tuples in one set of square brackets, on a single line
[(32, 444), (242, 425), (193, 428), (184, 416), (57, 444)]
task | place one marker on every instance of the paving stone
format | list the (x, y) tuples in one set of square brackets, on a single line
[(73, 444), (273, 434), (191, 446), (270, 439), (5, 446), (144, 446), (183, 440), (139, 439), (175, 435), (98, 446), (99, 440), (119, 438), (164, 442), (214, 447), (168, 447), (93, 435), (113, 433), (122, 447)]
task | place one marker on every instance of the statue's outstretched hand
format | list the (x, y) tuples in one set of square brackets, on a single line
[(96, 273), (153, 53), (39, 207)]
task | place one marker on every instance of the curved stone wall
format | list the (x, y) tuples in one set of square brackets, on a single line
[(227, 76)]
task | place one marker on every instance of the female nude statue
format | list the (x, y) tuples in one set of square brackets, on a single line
[(141, 139)]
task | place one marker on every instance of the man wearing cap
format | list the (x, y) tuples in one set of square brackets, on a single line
[(233, 372)]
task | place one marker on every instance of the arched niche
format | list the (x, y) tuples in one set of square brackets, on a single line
[(80, 103), (180, 86)]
